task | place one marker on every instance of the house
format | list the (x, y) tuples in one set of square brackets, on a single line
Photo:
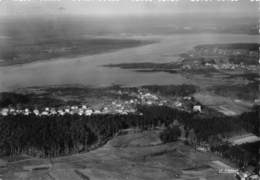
[(74, 107), (4, 112), (97, 112), (45, 113), (61, 112), (197, 108), (202, 149), (53, 111), (187, 98), (36, 112), (80, 113), (178, 104), (88, 112), (149, 102)]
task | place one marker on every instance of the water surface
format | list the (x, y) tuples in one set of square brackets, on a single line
[(88, 70)]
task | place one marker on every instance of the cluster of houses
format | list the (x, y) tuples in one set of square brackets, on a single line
[(222, 66), (213, 51), (148, 98), (218, 59), (119, 106), (79, 110), (230, 66)]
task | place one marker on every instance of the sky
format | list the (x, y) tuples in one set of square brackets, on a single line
[(125, 7)]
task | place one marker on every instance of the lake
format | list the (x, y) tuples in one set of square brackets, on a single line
[(88, 70)]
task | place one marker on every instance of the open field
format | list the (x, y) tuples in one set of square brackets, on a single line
[(222, 104), (244, 139), (124, 157)]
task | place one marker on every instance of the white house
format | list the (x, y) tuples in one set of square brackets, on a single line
[(97, 112), (36, 112), (149, 102), (53, 111), (44, 113), (4, 112), (61, 112), (88, 112), (197, 108), (178, 104)]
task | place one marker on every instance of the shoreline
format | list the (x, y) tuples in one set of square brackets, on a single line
[(139, 42)]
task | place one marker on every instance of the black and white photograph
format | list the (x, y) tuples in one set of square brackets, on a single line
[(129, 89)]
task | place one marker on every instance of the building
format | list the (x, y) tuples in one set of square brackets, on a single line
[(197, 108), (4, 112), (36, 112)]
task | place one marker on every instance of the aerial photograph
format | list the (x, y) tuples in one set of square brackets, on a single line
[(129, 90)]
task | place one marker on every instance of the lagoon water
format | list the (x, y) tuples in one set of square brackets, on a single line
[(88, 70)]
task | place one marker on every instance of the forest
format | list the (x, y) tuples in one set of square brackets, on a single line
[(50, 136)]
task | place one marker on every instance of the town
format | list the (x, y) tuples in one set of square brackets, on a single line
[(116, 106), (222, 57)]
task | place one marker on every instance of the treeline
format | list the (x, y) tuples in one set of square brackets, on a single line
[(29, 100), (204, 127), (246, 46), (242, 59), (242, 155), (251, 120), (7, 98), (146, 65), (49, 136), (170, 134)]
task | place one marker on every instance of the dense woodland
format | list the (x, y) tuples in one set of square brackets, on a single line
[(170, 134), (243, 155), (49, 136)]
